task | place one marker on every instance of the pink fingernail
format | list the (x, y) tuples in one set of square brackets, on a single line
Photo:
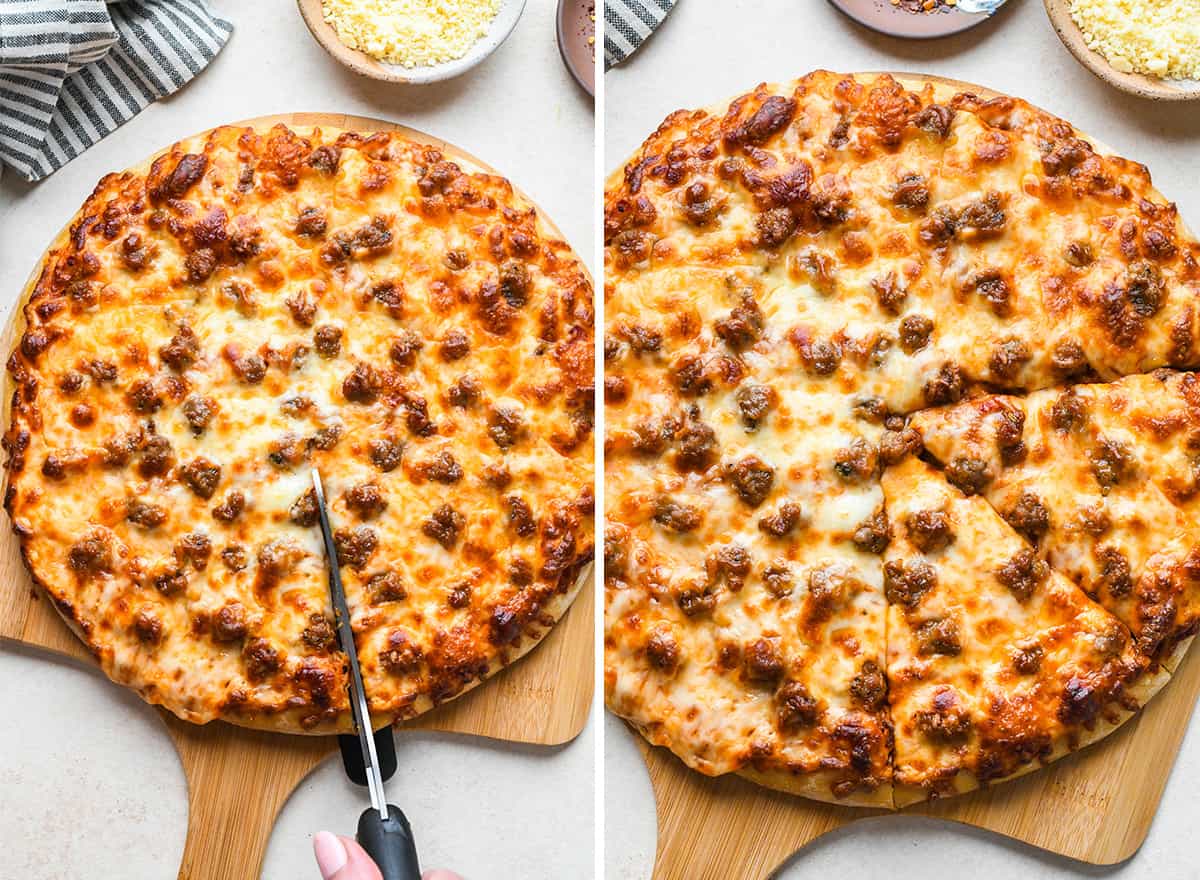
[(331, 854)]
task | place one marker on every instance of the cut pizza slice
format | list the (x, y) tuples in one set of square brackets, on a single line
[(745, 612), (1074, 487), (996, 663), (1057, 259)]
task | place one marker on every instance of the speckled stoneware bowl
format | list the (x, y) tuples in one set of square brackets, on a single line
[(361, 63), (1133, 83)]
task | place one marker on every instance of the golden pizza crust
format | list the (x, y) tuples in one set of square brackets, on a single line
[(816, 787)]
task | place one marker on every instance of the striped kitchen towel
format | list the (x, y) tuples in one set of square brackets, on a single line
[(72, 71), (628, 23)]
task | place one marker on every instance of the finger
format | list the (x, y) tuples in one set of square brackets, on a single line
[(363, 868), (440, 874), (340, 858)]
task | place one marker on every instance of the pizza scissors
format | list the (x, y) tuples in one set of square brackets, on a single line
[(383, 829)]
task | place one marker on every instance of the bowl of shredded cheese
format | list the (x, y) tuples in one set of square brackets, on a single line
[(1149, 48), (410, 41)]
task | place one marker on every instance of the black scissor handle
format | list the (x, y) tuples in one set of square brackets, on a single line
[(352, 756), (389, 841)]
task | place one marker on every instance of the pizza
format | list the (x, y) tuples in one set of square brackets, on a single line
[(850, 550), (252, 304)]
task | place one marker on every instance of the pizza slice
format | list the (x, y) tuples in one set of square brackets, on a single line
[(744, 612), (997, 664), (1076, 491)]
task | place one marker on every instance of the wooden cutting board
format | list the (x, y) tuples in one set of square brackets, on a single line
[(237, 778), (1095, 805)]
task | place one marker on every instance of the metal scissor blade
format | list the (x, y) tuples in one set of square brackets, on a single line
[(358, 695)]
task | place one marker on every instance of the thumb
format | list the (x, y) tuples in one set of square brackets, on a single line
[(340, 858)]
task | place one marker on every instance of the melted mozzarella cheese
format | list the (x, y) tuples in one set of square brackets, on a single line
[(200, 322)]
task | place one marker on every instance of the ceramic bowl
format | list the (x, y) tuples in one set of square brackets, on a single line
[(499, 29), (1133, 83)]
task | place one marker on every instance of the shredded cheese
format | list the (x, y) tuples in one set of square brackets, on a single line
[(411, 33), (1159, 38)]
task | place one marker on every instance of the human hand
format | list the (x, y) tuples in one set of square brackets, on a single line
[(341, 858)]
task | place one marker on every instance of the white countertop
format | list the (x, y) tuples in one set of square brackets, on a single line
[(89, 780), (707, 51)]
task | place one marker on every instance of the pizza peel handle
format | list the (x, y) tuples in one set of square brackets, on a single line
[(389, 842)]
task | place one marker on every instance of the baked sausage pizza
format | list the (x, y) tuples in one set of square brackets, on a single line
[(252, 304), (902, 446)]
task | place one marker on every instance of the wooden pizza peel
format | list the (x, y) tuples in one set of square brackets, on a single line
[(1095, 805), (238, 779)]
